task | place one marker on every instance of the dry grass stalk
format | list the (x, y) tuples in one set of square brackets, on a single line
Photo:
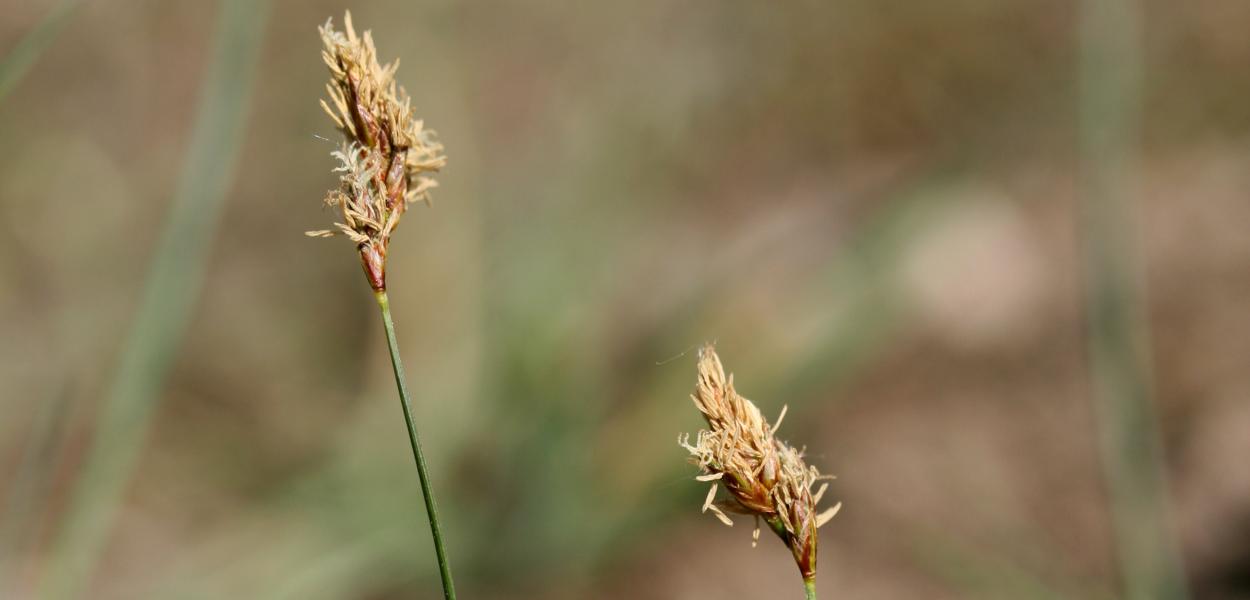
[(765, 477), (386, 150)]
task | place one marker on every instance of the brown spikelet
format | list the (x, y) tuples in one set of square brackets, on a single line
[(765, 477), (386, 150)]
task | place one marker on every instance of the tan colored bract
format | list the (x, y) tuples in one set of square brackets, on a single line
[(386, 149), (765, 477)]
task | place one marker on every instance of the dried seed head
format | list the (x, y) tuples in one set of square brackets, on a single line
[(386, 151), (765, 477)]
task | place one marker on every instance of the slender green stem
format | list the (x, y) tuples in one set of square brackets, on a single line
[(1111, 72), (444, 568), (809, 588)]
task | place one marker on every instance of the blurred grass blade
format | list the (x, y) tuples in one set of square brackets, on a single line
[(15, 65), (1110, 80), (865, 272), (20, 520), (172, 285), (975, 573)]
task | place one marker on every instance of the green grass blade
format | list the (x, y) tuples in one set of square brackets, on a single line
[(173, 283), (18, 62), (1110, 98)]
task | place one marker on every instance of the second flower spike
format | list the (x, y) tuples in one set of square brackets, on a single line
[(765, 477)]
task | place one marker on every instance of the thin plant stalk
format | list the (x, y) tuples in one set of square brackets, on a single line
[(385, 158), (809, 588), (397, 364)]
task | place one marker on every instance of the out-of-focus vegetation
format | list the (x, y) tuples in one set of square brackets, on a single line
[(876, 208)]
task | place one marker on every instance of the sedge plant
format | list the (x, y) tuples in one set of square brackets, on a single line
[(384, 158), (766, 478)]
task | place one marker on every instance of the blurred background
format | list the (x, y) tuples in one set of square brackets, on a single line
[(992, 254)]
